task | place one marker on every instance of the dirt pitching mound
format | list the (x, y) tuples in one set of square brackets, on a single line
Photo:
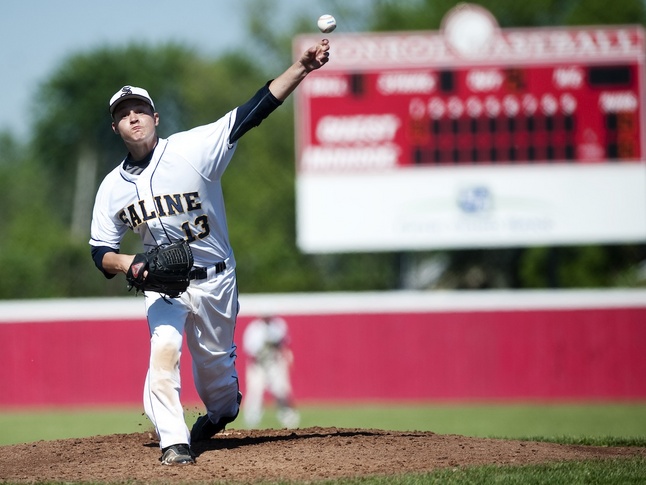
[(268, 455)]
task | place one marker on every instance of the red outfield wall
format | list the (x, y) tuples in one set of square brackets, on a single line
[(348, 347)]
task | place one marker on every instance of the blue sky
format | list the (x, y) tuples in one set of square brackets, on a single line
[(36, 36)]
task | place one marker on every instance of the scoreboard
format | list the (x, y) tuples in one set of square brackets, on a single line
[(472, 136), (573, 113)]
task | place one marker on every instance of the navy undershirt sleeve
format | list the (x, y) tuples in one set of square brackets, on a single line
[(97, 255), (251, 114)]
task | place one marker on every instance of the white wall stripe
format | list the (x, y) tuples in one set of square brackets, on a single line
[(336, 303)]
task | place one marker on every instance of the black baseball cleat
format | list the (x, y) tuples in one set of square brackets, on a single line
[(205, 429), (180, 454)]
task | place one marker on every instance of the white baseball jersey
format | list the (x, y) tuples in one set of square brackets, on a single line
[(264, 341), (177, 196)]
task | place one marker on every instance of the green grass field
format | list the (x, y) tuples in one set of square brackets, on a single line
[(510, 421)]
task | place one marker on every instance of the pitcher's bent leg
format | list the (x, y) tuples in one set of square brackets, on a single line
[(163, 384), (210, 336)]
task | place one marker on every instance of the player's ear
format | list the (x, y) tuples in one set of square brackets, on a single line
[(114, 128), (156, 118)]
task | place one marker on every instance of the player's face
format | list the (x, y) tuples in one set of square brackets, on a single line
[(135, 121)]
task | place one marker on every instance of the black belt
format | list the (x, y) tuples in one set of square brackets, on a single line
[(199, 273)]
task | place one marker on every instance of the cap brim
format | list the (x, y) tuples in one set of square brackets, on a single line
[(129, 96)]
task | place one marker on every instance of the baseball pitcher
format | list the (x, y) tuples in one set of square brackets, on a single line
[(168, 191)]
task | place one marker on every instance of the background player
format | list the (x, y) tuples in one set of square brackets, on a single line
[(169, 189), (266, 344)]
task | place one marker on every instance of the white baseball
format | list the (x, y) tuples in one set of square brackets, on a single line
[(326, 23)]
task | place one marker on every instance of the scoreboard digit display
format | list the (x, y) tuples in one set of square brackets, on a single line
[(535, 114), (427, 120)]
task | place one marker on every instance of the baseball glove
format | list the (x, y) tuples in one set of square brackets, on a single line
[(163, 269)]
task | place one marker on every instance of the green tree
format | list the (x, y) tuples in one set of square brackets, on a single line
[(36, 246), (49, 184), (73, 128), (73, 133), (73, 124)]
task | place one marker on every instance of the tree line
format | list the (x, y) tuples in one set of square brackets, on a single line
[(48, 182)]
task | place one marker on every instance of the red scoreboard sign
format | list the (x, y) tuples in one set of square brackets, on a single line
[(471, 95)]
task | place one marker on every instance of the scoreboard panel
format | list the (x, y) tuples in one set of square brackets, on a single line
[(569, 113), (570, 110), (393, 110)]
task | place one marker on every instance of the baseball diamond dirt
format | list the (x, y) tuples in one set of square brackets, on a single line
[(309, 454)]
